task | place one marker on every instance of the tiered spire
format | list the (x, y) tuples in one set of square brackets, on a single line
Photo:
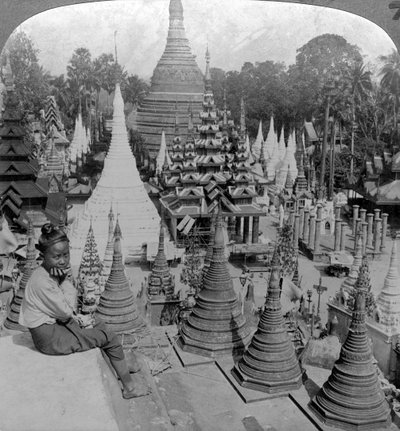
[(270, 363), (216, 324), (388, 300), (12, 319), (108, 255), (161, 281), (120, 184), (117, 306), (352, 397), (90, 267), (256, 148), (350, 281), (163, 156)]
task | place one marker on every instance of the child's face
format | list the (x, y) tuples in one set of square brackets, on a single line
[(57, 256)]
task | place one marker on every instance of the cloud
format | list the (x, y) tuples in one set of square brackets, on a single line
[(236, 31)]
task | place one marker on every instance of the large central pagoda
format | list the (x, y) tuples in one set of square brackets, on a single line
[(120, 186), (177, 82)]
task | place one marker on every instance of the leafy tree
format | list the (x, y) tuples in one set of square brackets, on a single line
[(134, 89), (391, 83), (30, 79)]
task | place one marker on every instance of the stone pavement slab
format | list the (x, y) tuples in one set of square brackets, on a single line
[(48, 393)]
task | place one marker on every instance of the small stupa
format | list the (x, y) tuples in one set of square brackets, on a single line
[(121, 185), (11, 321), (388, 300), (216, 325), (348, 284), (270, 363), (352, 397), (210, 247), (117, 307), (161, 281)]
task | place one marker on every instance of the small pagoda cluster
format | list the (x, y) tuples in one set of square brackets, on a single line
[(80, 145), (11, 321), (352, 397), (53, 156), (270, 363), (161, 282), (117, 306), (216, 325)]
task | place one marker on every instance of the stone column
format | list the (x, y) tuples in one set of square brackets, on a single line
[(317, 242), (246, 230), (256, 225), (311, 233), (296, 231), (355, 217), (338, 224), (363, 213), (377, 236), (357, 233), (301, 222), (343, 236), (364, 230), (291, 218), (370, 221), (384, 230), (337, 212), (377, 213), (306, 225), (238, 225), (319, 212)]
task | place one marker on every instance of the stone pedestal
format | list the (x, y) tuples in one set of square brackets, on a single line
[(363, 213), (306, 225), (370, 221), (377, 214), (355, 217)]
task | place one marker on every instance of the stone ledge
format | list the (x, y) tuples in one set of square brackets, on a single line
[(47, 393)]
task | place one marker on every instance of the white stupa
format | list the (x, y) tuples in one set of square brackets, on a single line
[(256, 148), (288, 164), (163, 155), (388, 300), (120, 186), (250, 157), (78, 143), (271, 141)]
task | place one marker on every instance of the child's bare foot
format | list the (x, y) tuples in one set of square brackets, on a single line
[(138, 390)]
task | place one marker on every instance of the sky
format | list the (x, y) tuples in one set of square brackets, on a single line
[(235, 30)]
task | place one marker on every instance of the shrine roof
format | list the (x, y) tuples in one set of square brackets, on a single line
[(16, 167), (26, 189)]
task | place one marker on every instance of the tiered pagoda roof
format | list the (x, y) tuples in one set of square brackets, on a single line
[(117, 307), (18, 172), (270, 363), (216, 325), (352, 398)]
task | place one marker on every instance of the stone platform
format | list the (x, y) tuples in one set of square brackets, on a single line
[(48, 393)]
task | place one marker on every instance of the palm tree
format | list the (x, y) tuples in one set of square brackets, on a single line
[(390, 81), (359, 85)]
